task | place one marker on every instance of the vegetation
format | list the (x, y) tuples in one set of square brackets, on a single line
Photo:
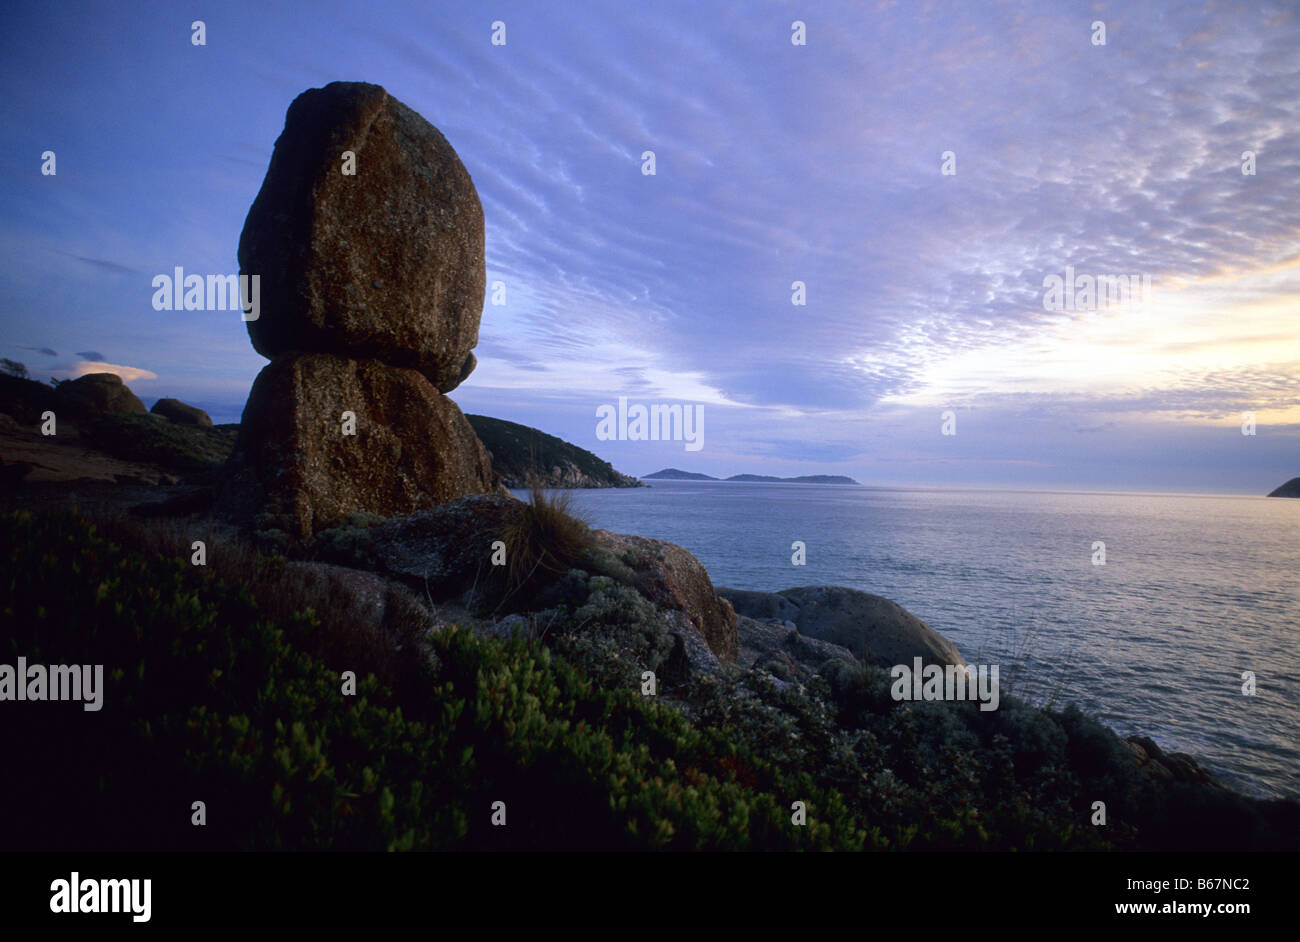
[(24, 399), (347, 543), (214, 695), (224, 686), (127, 436), (169, 444), (524, 456), (542, 543), (13, 368)]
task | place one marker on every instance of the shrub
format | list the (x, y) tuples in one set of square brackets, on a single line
[(608, 628), (349, 543), (149, 438), (223, 685), (13, 368), (210, 696)]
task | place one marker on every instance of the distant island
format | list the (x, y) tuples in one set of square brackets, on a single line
[(1290, 489), (676, 474)]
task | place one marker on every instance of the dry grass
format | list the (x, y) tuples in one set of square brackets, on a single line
[(544, 542), (1018, 680)]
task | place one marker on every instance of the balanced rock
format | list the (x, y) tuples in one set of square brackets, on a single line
[(325, 436), (385, 263), (97, 394), (181, 413)]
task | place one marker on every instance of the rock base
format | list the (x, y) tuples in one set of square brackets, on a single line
[(324, 436)]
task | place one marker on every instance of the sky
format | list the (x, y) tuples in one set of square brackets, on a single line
[(926, 293)]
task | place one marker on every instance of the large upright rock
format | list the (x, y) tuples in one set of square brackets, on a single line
[(412, 448), (384, 264), (371, 289)]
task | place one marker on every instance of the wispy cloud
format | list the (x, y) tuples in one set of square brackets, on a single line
[(104, 264), (129, 374)]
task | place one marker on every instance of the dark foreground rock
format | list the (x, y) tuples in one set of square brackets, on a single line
[(871, 627), (446, 552), (779, 648), (447, 549), (1166, 766), (386, 263)]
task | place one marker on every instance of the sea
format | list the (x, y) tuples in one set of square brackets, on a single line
[(1157, 633)]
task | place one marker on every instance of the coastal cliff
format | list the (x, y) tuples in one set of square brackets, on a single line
[(525, 456)]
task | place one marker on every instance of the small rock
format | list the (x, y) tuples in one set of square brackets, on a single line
[(181, 413)]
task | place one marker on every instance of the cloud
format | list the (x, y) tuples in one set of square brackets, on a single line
[(105, 265), (129, 374), (90, 355)]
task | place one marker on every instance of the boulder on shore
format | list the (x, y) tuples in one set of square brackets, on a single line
[(673, 579), (97, 394), (778, 647), (181, 413), (871, 627), (386, 263)]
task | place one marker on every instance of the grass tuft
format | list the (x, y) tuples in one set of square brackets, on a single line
[(542, 544)]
